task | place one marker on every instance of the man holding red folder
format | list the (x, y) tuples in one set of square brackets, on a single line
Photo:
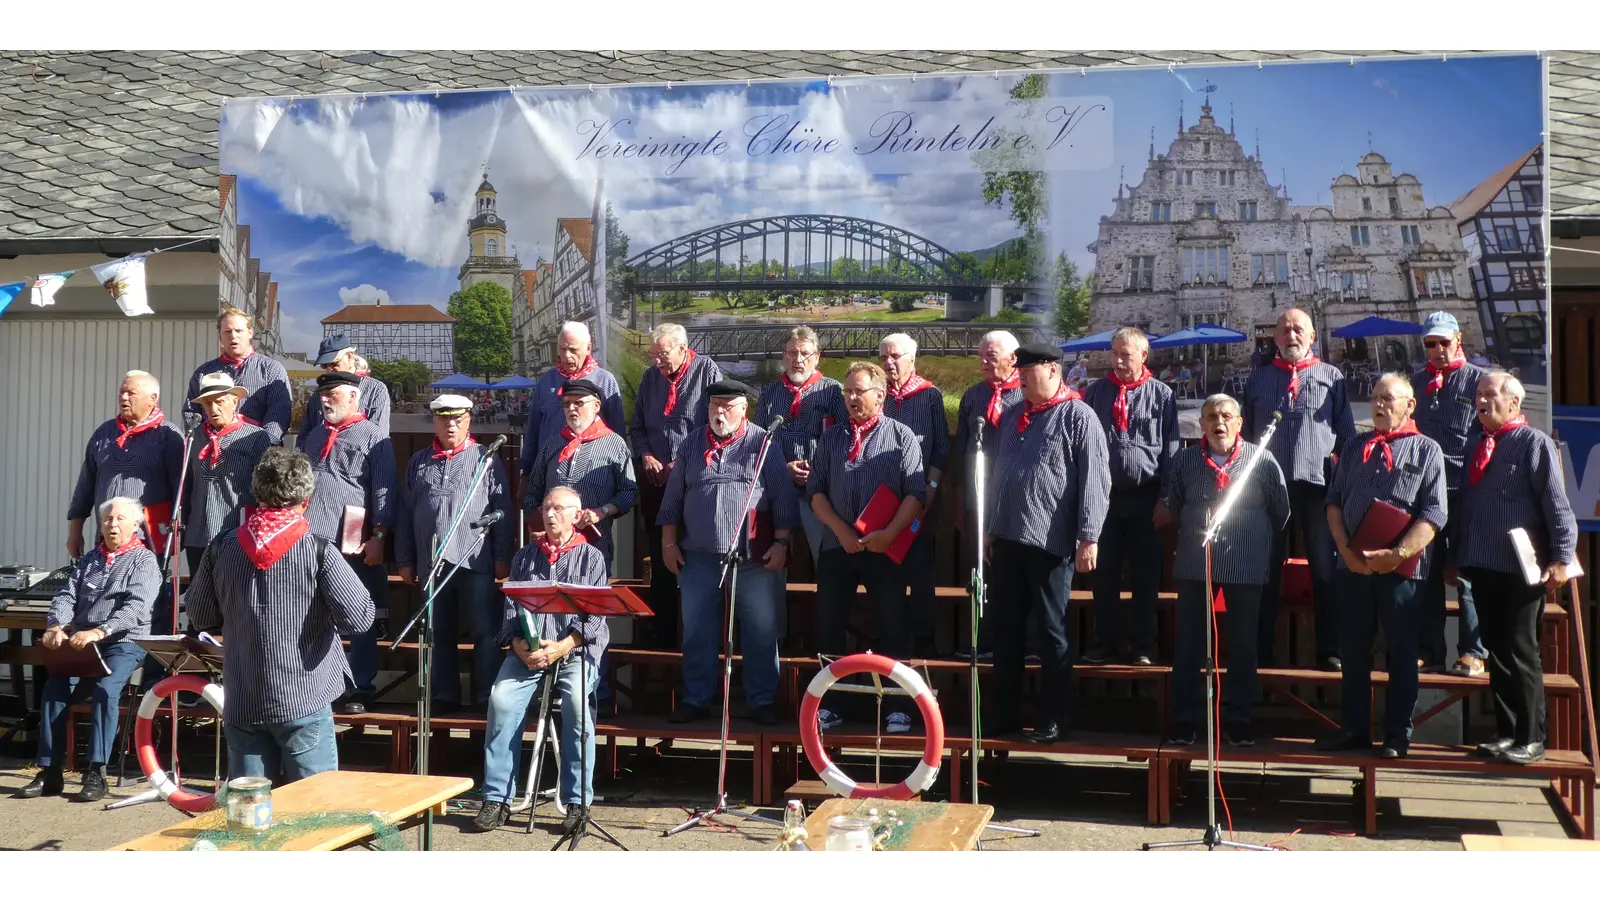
[(1052, 488), (1385, 505), (853, 461)]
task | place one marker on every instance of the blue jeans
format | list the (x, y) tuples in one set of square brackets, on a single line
[(363, 653), (1396, 602), (474, 594), (303, 746), (105, 699), (514, 689), (759, 604)]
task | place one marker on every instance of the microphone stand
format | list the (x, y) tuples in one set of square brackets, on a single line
[(1212, 838), (729, 583), (424, 616), (979, 591)]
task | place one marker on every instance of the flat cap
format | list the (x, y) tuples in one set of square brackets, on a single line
[(729, 387), (1034, 354), (328, 380)]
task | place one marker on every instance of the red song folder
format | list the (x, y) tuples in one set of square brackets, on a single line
[(1381, 529), (879, 513)]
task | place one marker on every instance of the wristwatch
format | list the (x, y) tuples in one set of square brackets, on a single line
[(933, 485), (1403, 553)]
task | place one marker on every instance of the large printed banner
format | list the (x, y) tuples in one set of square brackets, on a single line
[(1579, 430), (455, 232)]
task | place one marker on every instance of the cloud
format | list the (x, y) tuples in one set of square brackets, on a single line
[(363, 295), (1384, 85)]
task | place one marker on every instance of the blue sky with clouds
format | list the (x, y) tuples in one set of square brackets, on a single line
[(348, 197)]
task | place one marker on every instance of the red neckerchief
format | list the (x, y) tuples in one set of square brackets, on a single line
[(1294, 371), (596, 430), (126, 431), (672, 383), (552, 552), (914, 385), (1382, 439), (992, 416), (1119, 409), (1480, 460), (439, 452), (235, 364), (584, 371), (1438, 374), (1063, 394), (215, 446), (269, 532), (1223, 478), (795, 390), (714, 444), (335, 430), (112, 555), (858, 434)]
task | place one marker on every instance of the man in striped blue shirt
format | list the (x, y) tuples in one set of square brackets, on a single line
[(809, 403), (916, 403), (138, 454), (269, 403), (854, 459), (1512, 480), (336, 355), (1198, 481), (590, 458), (1398, 465), (574, 362), (1446, 412), (282, 596)]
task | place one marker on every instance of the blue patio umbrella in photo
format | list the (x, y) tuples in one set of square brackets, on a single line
[(458, 382), (1376, 326), (1198, 335), (514, 383), (1100, 340)]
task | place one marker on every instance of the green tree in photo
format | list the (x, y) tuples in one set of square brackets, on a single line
[(483, 330), (403, 377), (1072, 299)]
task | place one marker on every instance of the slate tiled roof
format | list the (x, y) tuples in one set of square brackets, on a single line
[(123, 144)]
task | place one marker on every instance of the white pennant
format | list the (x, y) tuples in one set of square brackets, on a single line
[(44, 288), (124, 279)]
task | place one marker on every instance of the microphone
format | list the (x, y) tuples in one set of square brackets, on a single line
[(979, 421), (1277, 417), (489, 519), (499, 442), (776, 423)]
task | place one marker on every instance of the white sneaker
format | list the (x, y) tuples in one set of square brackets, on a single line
[(898, 723), (828, 720)]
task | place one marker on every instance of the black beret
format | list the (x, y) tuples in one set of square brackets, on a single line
[(1034, 354), (729, 387), (338, 379), (581, 387)]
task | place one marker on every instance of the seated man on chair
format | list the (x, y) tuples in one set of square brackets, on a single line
[(106, 601), (560, 554)]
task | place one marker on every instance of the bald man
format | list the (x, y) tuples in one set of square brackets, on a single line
[(137, 455), (1317, 420)]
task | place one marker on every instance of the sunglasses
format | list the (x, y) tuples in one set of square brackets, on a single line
[(1437, 342)]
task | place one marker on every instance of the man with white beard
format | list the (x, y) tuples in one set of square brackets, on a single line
[(809, 403), (700, 515)]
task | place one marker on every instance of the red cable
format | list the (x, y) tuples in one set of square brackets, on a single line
[(1216, 694)]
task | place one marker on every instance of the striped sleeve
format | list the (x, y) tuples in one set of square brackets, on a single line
[(205, 613), (1560, 523), (776, 490), (381, 483), (65, 603), (939, 444), (81, 506), (1094, 474), (502, 533), (347, 600)]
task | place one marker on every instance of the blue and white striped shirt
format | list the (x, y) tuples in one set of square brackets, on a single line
[(706, 500), (584, 565), (545, 418), (1521, 488), (1242, 553), (270, 403), (218, 489), (658, 434), (118, 599), (1052, 487), (601, 471), (890, 456), (923, 412), (359, 471), (281, 626), (797, 439), (1415, 484), (1314, 425), (1450, 415), (146, 470), (975, 404), (374, 403), (1141, 455), (432, 494)]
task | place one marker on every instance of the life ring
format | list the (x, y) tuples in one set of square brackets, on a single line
[(933, 725), (144, 743)]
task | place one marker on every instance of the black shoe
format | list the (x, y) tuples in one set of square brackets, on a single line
[(1495, 747), (1331, 664), (1098, 656), (48, 783), (574, 817), (94, 785), (1393, 750), (491, 815), (684, 713), (356, 704), (1239, 734), (766, 714), (1144, 659), (1343, 740), (1046, 733), (1523, 755), (1181, 736)]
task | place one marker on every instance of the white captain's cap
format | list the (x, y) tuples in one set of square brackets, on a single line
[(450, 405)]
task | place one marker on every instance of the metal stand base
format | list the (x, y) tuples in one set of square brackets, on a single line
[(137, 799), (1211, 840), (1011, 829), (580, 830), (704, 817)]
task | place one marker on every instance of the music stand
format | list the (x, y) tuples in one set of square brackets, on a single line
[(177, 654), (583, 601)]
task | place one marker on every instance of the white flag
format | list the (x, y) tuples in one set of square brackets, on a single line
[(124, 279), (45, 287)]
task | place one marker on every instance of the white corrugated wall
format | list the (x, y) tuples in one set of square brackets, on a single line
[(58, 382)]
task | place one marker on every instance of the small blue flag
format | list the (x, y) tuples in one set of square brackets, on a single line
[(9, 292)]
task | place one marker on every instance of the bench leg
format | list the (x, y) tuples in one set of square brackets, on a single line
[(955, 775), (1369, 799), (1152, 791)]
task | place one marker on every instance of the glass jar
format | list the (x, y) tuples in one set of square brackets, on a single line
[(249, 804), (849, 833)]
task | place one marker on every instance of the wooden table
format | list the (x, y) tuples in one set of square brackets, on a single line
[(1499, 842), (958, 827), (394, 797)]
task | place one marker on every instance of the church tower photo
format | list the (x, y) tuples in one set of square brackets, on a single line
[(489, 256)]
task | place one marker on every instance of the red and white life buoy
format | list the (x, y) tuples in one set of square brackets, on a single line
[(144, 743), (933, 725)]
